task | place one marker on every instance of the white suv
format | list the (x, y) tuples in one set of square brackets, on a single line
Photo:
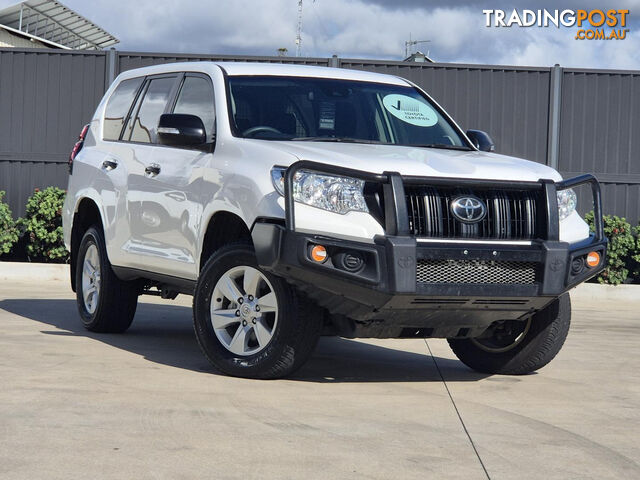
[(296, 201)]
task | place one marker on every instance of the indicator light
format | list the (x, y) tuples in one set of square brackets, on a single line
[(319, 254), (593, 259)]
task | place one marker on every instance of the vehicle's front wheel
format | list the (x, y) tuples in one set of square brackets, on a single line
[(518, 347), (250, 323), (106, 304)]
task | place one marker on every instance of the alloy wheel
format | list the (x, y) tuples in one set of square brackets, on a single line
[(244, 310), (91, 279)]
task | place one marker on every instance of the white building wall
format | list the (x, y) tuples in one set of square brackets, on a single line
[(8, 39)]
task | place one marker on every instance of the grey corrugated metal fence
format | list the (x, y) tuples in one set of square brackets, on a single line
[(45, 96), (575, 120), (600, 125)]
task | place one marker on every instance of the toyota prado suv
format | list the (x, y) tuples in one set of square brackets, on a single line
[(293, 202)]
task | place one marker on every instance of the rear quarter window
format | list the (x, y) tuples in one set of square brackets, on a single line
[(118, 107)]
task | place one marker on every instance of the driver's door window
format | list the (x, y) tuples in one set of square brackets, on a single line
[(196, 98)]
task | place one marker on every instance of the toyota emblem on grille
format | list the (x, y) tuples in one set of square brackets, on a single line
[(468, 209)]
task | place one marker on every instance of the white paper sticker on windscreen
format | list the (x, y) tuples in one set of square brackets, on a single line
[(410, 110)]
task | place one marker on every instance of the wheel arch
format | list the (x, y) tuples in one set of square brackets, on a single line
[(223, 227), (85, 215)]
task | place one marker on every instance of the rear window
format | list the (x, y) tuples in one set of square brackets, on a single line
[(118, 107)]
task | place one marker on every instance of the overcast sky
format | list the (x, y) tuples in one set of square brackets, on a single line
[(359, 28)]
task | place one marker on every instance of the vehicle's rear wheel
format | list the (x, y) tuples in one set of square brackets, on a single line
[(106, 304), (518, 347), (248, 322)]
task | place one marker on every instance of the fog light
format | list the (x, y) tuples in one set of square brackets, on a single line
[(352, 261), (593, 259), (577, 265), (319, 253)]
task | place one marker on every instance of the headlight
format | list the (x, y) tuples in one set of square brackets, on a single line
[(328, 192), (567, 202)]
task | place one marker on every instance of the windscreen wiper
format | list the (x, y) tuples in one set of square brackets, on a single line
[(442, 146), (335, 139)]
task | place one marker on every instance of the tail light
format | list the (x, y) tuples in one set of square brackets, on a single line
[(77, 147)]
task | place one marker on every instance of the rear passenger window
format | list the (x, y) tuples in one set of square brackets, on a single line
[(196, 98), (118, 107), (153, 105)]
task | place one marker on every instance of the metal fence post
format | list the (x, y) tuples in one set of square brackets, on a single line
[(555, 106), (111, 67)]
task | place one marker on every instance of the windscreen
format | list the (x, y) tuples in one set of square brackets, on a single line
[(322, 109)]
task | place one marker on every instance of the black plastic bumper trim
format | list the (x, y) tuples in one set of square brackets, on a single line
[(394, 261)]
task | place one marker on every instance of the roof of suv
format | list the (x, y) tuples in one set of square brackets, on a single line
[(276, 69)]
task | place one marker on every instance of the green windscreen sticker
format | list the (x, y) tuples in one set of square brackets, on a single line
[(410, 110)]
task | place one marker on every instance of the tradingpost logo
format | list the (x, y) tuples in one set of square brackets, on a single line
[(592, 24)]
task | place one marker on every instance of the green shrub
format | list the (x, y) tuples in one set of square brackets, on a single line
[(8, 230), (622, 244), (43, 226), (636, 255)]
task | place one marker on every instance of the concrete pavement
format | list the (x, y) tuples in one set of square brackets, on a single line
[(146, 404)]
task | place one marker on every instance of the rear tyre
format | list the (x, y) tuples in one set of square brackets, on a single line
[(250, 323), (106, 304), (518, 347)]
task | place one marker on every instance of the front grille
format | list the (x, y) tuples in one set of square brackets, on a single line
[(475, 271), (511, 214)]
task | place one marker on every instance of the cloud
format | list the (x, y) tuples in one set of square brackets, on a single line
[(359, 28), (511, 4)]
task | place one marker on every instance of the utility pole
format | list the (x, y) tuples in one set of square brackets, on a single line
[(299, 30), (409, 43)]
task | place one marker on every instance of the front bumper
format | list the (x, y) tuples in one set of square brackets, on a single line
[(386, 293), (389, 296)]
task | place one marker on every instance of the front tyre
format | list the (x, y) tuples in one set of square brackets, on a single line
[(518, 347), (106, 304), (248, 322)]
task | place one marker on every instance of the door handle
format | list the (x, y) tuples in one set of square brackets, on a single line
[(152, 170), (109, 165)]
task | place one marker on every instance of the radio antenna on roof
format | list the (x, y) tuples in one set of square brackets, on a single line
[(299, 30)]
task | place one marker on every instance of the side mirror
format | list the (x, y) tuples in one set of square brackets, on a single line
[(180, 129), (481, 140)]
